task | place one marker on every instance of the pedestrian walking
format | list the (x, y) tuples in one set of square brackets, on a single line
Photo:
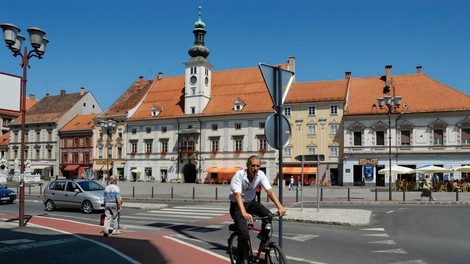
[(291, 184), (112, 206), (427, 189)]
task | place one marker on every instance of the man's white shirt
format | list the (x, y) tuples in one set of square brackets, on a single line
[(241, 184)]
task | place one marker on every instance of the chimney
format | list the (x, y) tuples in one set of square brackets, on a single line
[(419, 69), (388, 75), (82, 91), (32, 97), (347, 75), (62, 92), (160, 76)]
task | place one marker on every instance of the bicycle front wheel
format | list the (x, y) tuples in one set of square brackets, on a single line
[(274, 255), (232, 247)]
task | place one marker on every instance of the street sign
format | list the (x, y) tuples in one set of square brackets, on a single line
[(269, 76), (271, 129)]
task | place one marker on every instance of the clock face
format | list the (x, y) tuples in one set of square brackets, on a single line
[(207, 81), (193, 79)]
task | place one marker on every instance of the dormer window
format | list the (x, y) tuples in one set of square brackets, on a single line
[(155, 110), (238, 105)]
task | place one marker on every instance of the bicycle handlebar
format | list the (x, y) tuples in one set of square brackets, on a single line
[(258, 218)]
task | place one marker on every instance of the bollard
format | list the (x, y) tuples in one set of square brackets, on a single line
[(40, 188), (457, 195), (376, 195), (133, 191), (216, 194), (404, 198), (194, 192), (430, 194), (29, 189), (296, 194), (321, 194), (171, 192), (349, 195), (152, 191)]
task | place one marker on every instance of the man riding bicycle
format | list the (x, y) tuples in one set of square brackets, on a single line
[(243, 203)]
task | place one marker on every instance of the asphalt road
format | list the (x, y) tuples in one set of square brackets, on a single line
[(397, 233)]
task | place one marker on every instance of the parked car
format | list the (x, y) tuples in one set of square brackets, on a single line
[(87, 195), (7, 195)]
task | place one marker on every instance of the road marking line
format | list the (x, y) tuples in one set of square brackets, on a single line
[(383, 242), (376, 235), (393, 251), (389, 212), (302, 238), (16, 241), (198, 248), (374, 229), (27, 246), (415, 261)]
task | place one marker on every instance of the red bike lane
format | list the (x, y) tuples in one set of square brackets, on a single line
[(133, 246)]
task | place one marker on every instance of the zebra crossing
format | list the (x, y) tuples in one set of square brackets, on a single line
[(171, 216), (390, 246)]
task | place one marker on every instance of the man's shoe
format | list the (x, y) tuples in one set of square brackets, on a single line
[(116, 232), (105, 235)]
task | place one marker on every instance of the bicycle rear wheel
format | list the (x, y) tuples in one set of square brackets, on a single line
[(274, 255), (232, 247)]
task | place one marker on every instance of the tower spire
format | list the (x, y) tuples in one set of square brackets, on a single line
[(198, 51)]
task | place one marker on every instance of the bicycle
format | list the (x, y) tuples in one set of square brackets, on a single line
[(273, 253)]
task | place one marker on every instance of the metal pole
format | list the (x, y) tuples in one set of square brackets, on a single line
[(389, 154), (24, 65), (278, 85), (318, 185), (302, 189)]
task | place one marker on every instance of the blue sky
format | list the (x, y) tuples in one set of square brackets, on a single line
[(105, 45)]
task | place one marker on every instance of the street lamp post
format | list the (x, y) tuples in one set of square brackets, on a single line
[(14, 42), (390, 104), (109, 126)]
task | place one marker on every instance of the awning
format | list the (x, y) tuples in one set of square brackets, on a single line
[(39, 167), (71, 167), (98, 167), (222, 169), (298, 170)]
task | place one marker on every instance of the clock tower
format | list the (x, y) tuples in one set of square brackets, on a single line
[(197, 86)]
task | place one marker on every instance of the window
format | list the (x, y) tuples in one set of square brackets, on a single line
[(333, 109), (238, 144), (75, 157), (119, 135), (262, 125), (87, 142), (148, 146), (76, 142), (288, 151), (238, 125), (287, 111), (214, 127), (26, 136), (193, 109), (110, 152), (38, 136), (134, 131), (405, 137), (465, 136), (49, 135), (148, 130), (86, 157), (148, 173), (380, 138), (64, 158), (357, 138), (334, 151), (119, 152), (214, 144), (312, 129), (311, 150), (193, 90), (38, 154), (134, 147), (263, 144), (333, 129), (311, 110), (163, 129), (49, 154), (438, 136), (100, 152), (164, 146)]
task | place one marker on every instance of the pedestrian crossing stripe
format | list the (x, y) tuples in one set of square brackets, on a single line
[(16, 241)]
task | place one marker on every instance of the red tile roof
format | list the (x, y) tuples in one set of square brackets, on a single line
[(245, 84), (418, 91), (129, 99), (324, 91), (79, 122), (50, 108)]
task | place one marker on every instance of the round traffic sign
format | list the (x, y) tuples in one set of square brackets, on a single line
[(271, 130)]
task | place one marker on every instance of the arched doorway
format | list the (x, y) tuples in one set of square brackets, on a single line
[(189, 173)]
